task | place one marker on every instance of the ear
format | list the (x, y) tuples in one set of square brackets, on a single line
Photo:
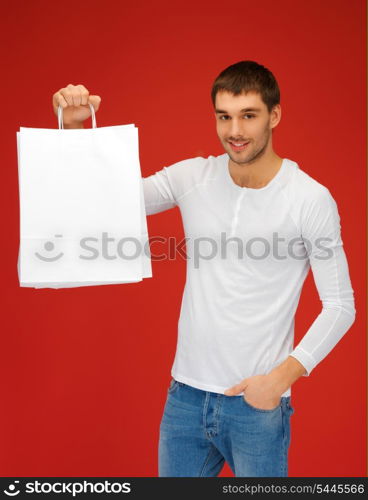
[(275, 115)]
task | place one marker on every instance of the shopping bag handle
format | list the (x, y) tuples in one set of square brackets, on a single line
[(60, 116)]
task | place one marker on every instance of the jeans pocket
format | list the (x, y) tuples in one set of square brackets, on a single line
[(290, 408), (260, 409)]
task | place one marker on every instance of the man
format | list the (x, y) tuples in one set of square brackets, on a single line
[(255, 223)]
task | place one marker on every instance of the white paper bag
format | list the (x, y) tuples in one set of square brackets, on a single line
[(82, 212)]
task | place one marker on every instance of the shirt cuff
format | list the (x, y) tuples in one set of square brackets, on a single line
[(305, 359)]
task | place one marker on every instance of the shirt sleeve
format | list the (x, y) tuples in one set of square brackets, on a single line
[(163, 189), (158, 192), (321, 234)]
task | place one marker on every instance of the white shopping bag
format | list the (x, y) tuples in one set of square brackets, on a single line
[(82, 212)]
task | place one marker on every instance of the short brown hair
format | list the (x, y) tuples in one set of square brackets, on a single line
[(246, 76)]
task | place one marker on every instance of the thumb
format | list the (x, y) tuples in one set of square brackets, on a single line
[(95, 100), (236, 389)]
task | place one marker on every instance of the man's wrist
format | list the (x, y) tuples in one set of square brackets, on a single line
[(286, 373)]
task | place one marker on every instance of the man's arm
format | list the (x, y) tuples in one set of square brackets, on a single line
[(321, 232), (164, 189), (158, 192)]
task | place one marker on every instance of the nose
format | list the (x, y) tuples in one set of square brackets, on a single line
[(235, 129)]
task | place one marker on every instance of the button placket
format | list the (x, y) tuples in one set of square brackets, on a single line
[(236, 214)]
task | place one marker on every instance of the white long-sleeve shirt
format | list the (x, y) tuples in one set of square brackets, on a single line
[(240, 296)]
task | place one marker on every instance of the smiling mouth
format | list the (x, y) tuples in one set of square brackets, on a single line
[(238, 146)]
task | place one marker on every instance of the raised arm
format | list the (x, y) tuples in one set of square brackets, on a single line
[(158, 189)]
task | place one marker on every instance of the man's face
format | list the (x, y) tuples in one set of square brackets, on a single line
[(244, 119)]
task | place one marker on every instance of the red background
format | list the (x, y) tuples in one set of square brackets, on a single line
[(84, 372)]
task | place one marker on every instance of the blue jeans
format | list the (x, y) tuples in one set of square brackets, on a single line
[(199, 430)]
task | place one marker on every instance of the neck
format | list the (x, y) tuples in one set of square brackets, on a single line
[(256, 173)]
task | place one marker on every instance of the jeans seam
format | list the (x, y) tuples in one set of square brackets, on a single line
[(205, 406), (284, 438), (207, 460)]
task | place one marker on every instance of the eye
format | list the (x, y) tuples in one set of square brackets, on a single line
[(226, 116)]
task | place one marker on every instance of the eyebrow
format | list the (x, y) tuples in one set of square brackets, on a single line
[(218, 111)]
